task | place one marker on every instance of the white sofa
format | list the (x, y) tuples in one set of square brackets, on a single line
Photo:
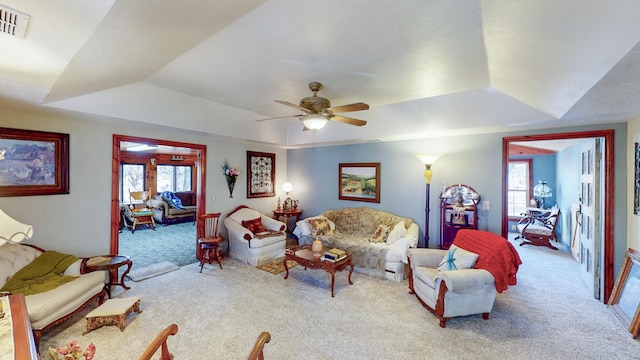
[(54, 306), (351, 230), (254, 248)]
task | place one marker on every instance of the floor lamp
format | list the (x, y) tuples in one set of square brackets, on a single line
[(427, 160)]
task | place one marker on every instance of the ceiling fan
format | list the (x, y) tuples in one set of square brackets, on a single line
[(318, 111)]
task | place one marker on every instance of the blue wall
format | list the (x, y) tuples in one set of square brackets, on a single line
[(474, 160), (471, 160)]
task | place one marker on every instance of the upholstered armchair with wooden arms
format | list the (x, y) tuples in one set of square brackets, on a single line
[(539, 230), (254, 238), (465, 279)]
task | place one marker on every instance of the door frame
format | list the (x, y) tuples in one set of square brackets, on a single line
[(115, 180), (609, 177)]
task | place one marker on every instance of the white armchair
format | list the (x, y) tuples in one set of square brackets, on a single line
[(254, 244), (468, 291), (449, 293)]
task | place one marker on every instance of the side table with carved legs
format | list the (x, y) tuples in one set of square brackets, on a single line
[(110, 263)]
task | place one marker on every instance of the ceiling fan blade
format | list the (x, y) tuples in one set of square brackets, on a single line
[(280, 117), (348, 120), (351, 107), (292, 105)]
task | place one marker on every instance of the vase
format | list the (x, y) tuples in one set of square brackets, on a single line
[(316, 247), (231, 183)]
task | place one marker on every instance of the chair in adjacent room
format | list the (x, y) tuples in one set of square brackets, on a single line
[(160, 341), (140, 213), (539, 230), (139, 198), (258, 349), (209, 244)]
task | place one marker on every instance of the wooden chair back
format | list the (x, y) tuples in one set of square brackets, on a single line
[(211, 221), (160, 341), (139, 197), (258, 349)]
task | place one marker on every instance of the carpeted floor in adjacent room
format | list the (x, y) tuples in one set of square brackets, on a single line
[(175, 243)]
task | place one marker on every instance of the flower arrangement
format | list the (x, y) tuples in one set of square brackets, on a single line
[(227, 170), (230, 174), (72, 351)]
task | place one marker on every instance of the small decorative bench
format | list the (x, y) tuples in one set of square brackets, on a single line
[(112, 312)]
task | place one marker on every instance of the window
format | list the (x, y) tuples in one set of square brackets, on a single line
[(519, 187), (132, 179), (174, 178)]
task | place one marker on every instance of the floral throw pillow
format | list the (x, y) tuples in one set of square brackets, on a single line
[(320, 227), (381, 233), (457, 258), (255, 225)]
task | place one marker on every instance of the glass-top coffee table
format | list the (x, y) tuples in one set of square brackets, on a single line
[(305, 257)]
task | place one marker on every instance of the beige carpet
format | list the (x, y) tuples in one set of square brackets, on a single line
[(276, 266), (221, 312), (152, 270)]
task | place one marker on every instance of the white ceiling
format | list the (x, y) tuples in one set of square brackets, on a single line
[(426, 68)]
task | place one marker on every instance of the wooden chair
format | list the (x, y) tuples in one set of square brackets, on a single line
[(209, 244), (160, 341), (144, 215), (139, 197), (539, 230), (257, 352)]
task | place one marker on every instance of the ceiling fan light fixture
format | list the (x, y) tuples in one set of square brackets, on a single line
[(314, 121)]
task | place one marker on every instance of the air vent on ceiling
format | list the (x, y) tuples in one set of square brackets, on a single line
[(13, 22)]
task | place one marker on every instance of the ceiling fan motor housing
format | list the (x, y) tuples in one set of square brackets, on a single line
[(315, 103)]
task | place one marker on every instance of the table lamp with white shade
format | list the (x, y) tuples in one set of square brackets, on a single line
[(13, 231), (542, 191)]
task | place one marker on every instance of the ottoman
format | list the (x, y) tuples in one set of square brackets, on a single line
[(112, 312)]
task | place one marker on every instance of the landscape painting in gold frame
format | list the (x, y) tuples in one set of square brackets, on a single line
[(625, 297), (33, 162), (359, 182)]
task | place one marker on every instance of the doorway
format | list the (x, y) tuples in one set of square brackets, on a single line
[(607, 236), (200, 155)]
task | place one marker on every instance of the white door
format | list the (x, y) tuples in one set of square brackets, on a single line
[(590, 230)]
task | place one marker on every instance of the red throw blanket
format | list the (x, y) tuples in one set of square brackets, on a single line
[(496, 255)]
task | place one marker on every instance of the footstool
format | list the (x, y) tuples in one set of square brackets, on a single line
[(112, 312)]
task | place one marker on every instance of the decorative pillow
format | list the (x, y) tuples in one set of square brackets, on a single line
[(381, 233), (255, 225), (304, 229), (320, 226), (396, 233), (457, 258)]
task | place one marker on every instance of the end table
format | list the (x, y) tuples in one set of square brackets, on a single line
[(286, 214), (110, 263)]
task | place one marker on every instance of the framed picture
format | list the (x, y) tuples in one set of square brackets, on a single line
[(626, 292), (359, 182), (261, 174), (636, 187), (33, 162)]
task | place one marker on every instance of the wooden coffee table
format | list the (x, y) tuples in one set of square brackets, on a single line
[(304, 256)]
